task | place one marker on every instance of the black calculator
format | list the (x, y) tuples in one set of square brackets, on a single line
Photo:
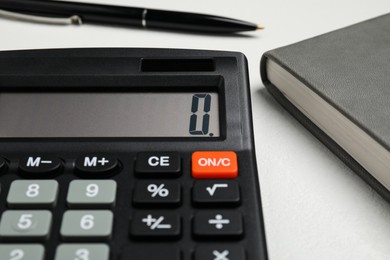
[(127, 154)]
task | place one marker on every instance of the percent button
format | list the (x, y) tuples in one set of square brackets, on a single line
[(156, 190), (157, 194)]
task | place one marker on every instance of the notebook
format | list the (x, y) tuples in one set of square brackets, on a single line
[(338, 86)]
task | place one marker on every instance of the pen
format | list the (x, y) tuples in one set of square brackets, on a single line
[(61, 12)]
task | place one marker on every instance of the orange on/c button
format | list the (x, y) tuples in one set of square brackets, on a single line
[(214, 165)]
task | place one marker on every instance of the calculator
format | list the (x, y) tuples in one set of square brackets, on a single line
[(127, 154)]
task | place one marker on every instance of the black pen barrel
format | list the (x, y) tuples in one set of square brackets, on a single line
[(129, 16), (195, 22), (89, 13)]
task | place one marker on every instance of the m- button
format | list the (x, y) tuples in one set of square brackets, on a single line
[(39, 166), (214, 165), (158, 164)]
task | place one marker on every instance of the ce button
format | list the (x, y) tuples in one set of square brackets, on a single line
[(158, 165)]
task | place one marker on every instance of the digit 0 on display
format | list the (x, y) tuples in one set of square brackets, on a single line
[(197, 128)]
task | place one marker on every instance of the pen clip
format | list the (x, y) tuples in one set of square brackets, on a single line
[(74, 19)]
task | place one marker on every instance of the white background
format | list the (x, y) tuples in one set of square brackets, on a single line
[(314, 206)]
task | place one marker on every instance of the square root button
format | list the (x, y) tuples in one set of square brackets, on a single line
[(214, 165)]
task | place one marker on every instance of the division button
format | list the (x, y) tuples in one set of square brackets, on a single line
[(33, 194), (22, 252), (158, 165), (155, 224), (26, 225), (218, 224), (94, 165), (82, 251), (215, 193), (39, 166), (214, 165), (157, 193), (91, 194), (151, 252), (92, 225), (220, 252)]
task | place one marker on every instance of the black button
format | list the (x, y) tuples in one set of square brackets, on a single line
[(220, 252), (151, 252), (95, 165), (155, 224), (158, 165), (216, 193), (218, 224), (157, 193), (3, 165), (39, 166)]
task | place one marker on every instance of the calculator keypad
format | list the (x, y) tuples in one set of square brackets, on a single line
[(144, 205)]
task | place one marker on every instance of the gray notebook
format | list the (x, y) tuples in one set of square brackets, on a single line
[(338, 86)]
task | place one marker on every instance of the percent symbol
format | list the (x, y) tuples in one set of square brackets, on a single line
[(158, 190)]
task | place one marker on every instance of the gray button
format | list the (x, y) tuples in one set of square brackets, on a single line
[(22, 252), (91, 224), (82, 251), (32, 224), (33, 193), (91, 193)]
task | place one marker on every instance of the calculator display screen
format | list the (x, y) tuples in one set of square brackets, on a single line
[(112, 114)]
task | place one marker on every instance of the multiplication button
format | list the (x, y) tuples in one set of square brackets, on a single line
[(220, 252), (26, 225), (91, 194), (22, 252), (33, 194)]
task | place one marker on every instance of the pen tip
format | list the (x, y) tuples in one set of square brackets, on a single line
[(260, 27)]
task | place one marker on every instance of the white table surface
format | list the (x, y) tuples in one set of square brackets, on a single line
[(314, 206)]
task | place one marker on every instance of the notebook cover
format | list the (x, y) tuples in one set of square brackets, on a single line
[(350, 69)]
